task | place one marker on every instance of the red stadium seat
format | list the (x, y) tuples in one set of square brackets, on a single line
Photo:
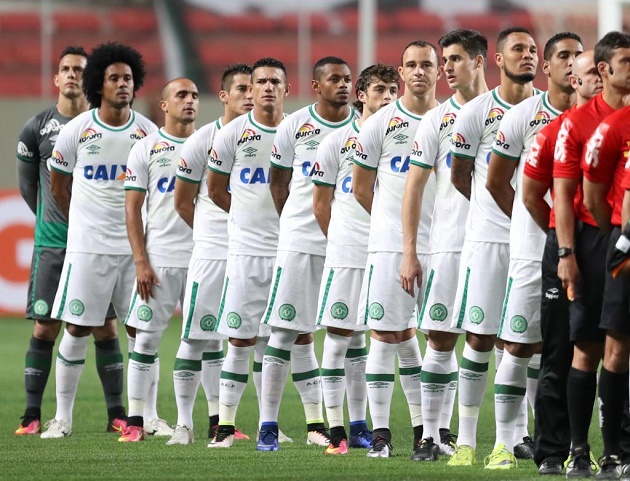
[(247, 23), (418, 21), (351, 20), (20, 22), (134, 20), (201, 21), (318, 22), (486, 23), (522, 18), (76, 22)]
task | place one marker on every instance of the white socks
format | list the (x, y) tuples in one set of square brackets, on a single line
[(451, 392), (211, 362), (436, 379), (356, 389), (307, 380), (334, 377), (234, 376), (410, 367), (69, 366), (276, 363), (509, 391), (379, 374), (186, 379)]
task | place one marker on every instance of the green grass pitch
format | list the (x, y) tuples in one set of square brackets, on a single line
[(91, 453)]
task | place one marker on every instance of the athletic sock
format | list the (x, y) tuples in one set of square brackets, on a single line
[(307, 381), (509, 391), (109, 365), (259, 353), (581, 391), (150, 405), (211, 363), (379, 375), (234, 376), (36, 371), (533, 370), (334, 377), (276, 364), (435, 377), (613, 391), (473, 377), (186, 379), (69, 366), (356, 389), (451, 392), (409, 369), (131, 344), (139, 378)]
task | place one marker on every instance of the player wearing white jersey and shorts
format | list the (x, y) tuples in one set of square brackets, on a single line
[(292, 305), (485, 254), (161, 247), (91, 155), (520, 318), (238, 182), (200, 354), (346, 225), (464, 54), (382, 156)]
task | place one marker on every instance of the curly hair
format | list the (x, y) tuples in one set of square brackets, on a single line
[(373, 74), (102, 57)]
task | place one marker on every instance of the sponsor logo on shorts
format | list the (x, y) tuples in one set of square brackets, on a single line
[(234, 320), (376, 311), (339, 310), (145, 313), (76, 307), (438, 312), (476, 315), (286, 312), (208, 323), (552, 293), (518, 324), (41, 307)]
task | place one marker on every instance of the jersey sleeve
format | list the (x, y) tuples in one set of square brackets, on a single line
[(601, 153), (568, 152), (467, 131), (426, 143), (369, 144), (65, 151), (283, 153), (328, 157), (194, 156), (137, 175), (28, 147), (625, 181), (223, 151), (539, 160), (508, 142)]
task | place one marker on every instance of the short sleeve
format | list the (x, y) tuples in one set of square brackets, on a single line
[(223, 151), (194, 156), (369, 144), (508, 142), (426, 143), (283, 152), (328, 157), (137, 175), (467, 131), (539, 160), (601, 154), (568, 152), (28, 147), (65, 151)]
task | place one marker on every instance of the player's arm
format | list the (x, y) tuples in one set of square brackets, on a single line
[(410, 269), (28, 182), (218, 189), (185, 195), (279, 181), (60, 184), (322, 197), (534, 192), (281, 171), (461, 174), (363, 179), (595, 200), (500, 172), (564, 193)]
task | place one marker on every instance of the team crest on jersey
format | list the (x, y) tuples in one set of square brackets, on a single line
[(351, 145), (415, 150), (495, 115), (395, 123), (161, 147), (89, 134), (306, 130), (138, 134), (541, 118), (275, 154), (459, 142), (358, 153), (248, 135), (214, 158), (129, 177), (448, 119), (500, 141), (182, 166)]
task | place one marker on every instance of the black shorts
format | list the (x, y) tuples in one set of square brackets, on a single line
[(616, 305), (46, 268), (554, 305), (586, 311)]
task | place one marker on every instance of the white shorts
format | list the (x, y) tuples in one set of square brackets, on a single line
[(481, 284), (292, 301), (155, 314), (385, 305), (88, 283), (521, 308), (202, 297), (439, 292), (244, 298), (339, 295)]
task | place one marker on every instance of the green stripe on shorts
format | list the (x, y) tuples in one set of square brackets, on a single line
[(191, 309), (426, 296), (222, 303), (505, 304), (367, 295), (62, 304), (133, 303), (462, 308), (325, 298), (273, 295), (38, 253)]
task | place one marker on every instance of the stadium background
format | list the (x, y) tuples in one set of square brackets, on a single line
[(199, 38)]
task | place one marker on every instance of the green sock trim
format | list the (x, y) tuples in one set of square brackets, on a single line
[(257, 367), (142, 358), (333, 372), (302, 376), (78, 362), (281, 353), (409, 371), (212, 356), (434, 378), (187, 365), (533, 373), (109, 359), (352, 353), (473, 366), (232, 376), (509, 390), (380, 377)]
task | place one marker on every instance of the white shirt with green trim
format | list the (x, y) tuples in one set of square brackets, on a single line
[(295, 148), (385, 145), (432, 149), (210, 224), (95, 154), (514, 139), (242, 150), (349, 226), (151, 168)]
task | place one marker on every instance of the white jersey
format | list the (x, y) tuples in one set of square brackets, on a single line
[(242, 150), (513, 141), (295, 148), (432, 149), (349, 222), (385, 145), (151, 168), (210, 224), (95, 154)]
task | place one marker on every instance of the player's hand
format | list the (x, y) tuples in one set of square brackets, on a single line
[(569, 274), (410, 273), (146, 279)]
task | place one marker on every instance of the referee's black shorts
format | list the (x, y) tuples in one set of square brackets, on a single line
[(616, 305)]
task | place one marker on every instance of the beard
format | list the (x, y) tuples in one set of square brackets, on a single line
[(518, 78)]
